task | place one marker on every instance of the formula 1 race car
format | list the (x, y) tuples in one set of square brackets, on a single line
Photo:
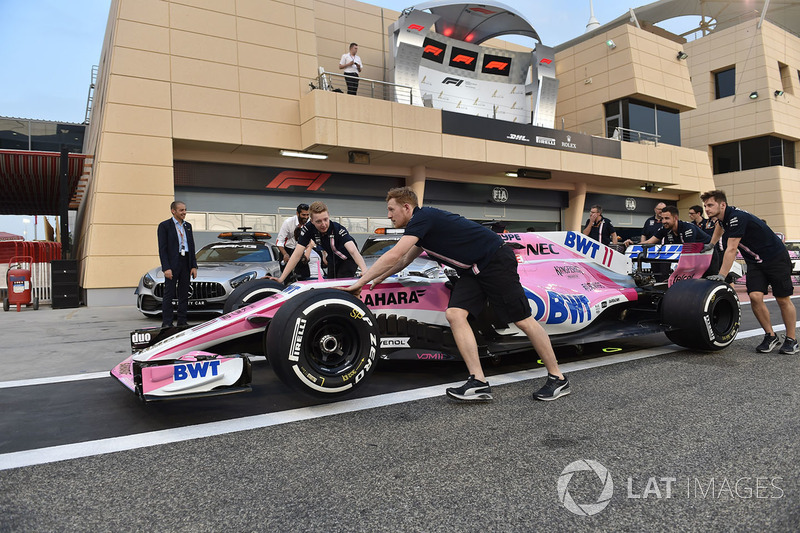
[(326, 342)]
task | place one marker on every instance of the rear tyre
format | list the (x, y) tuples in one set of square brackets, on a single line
[(323, 342), (701, 314), (6, 305), (251, 292), (36, 304)]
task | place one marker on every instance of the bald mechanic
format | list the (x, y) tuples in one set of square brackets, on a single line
[(487, 271)]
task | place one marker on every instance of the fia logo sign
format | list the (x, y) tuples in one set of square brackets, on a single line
[(500, 195)]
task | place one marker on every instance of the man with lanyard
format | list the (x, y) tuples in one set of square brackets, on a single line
[(351, 64), (287, 241), (599, 227), (767, 261), (341, 250), (178, 262), (487, 271), (674, 231)]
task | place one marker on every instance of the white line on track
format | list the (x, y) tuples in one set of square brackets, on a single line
[(154, 438)]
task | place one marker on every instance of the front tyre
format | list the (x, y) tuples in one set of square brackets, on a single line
[(323, 342), (701, 314), (251, 292)]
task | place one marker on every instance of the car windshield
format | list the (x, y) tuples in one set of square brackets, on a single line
[(378, 247), (233, 253)]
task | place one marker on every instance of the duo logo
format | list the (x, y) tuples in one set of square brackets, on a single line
[(312, 181), (561, 307), (195, 370)]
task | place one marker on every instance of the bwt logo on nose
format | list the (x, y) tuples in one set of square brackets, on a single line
[(195, 370)]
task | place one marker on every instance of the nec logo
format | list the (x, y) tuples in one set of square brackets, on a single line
[(461, 58), (430, 49), (415, 27), (545, 61), (452, 81), (496, 65), (312, 181)]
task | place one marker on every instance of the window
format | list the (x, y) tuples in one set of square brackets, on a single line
[(725, 82), (759, 152), (786, 78), (643, 121)]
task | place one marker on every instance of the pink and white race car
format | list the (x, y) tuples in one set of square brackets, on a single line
[(325, 342)]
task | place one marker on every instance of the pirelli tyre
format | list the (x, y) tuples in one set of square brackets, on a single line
[(701, 314), (251, 292), (324, 342)]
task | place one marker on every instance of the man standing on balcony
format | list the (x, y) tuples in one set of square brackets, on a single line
[(351, 64)]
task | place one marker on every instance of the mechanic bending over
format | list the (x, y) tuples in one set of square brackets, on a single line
[(342, 253), (287, 241), (487, 270), (768, 263)]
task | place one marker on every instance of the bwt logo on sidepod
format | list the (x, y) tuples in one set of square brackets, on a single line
[(560, 307)]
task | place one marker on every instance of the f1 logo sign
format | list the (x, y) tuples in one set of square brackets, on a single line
[(415, 27), (461, 58), (435, 50), (452, 81), (312, 181), (497, 65), (545, 61)]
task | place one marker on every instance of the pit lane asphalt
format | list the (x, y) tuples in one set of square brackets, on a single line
[(424, 465)]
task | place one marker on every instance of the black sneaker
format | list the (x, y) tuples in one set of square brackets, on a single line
[(472, 390), (768, 344), (789, 346), (553, 389)]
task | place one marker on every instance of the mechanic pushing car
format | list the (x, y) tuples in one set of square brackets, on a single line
[(342, 253), (487, 271)]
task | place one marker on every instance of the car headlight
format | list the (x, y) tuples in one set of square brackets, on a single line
[(244, 278), (148, 282)]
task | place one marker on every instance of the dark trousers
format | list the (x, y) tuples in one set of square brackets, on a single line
[(352, 82), (302, 270), (181, 277)]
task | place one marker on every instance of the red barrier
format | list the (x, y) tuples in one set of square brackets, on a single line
[(42, 252)]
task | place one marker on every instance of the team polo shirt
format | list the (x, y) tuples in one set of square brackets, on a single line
[(602, 231), (332, 241), (650, 227), (687, 232), (758, 242), (452, 239)]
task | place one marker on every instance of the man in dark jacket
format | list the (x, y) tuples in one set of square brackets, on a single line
[(178, 262)]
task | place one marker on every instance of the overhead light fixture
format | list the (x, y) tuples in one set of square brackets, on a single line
[(753, 95), (682, 55), (533, 174), (305, 155), (659, 189), (611, 44), (511, 174), (648, 187), (778, 93), (358, 158)]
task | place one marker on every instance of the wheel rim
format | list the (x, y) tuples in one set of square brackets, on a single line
[(723, 316), (334, 346)]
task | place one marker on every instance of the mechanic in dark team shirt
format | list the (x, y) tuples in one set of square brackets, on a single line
[(599, 227), (487, 271), (652, 224), (674, 231), (341, 251), (768, 263)]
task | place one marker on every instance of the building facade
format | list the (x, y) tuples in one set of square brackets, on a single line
[(196, 99)]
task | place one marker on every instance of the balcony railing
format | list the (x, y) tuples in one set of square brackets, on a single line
[(333, 81), (634, 136)]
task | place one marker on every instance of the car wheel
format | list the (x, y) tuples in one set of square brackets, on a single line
[(701, 314), (323, 342), (250, 292), (6, 305), (36, 304)]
